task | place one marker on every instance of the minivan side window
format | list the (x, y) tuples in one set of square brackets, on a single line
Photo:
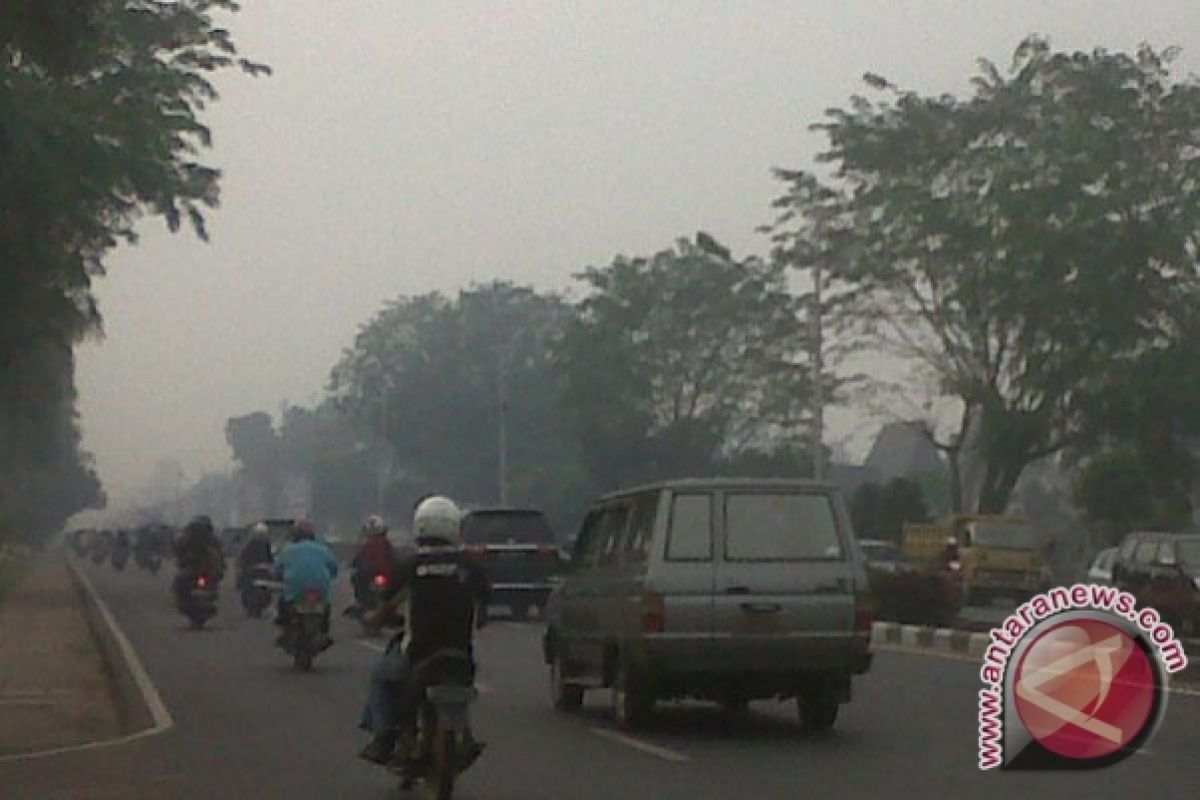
[(781, 527), (590, 539), (1127, 548), (612, 533), (690, 530), (641, 528)]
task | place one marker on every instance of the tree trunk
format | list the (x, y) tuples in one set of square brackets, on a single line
[(956, 493), (998, 484)]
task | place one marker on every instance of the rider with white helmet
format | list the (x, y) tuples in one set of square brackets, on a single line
[(447, 599)]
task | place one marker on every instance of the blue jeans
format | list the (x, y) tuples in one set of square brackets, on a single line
[(381, 714)]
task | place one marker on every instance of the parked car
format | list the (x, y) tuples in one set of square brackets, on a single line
[(906, 592), (1101, 569), (730, 590), (1162, 570), (518, 551)]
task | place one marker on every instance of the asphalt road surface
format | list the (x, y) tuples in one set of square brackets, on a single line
[(247, 726)]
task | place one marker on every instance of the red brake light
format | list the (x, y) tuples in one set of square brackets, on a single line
[(654, 613), (381, 580), (312, 595), (477, 549), (548, 551), (864, 614), (202, 581)]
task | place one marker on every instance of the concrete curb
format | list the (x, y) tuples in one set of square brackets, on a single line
[(973, 645), (134, 713)]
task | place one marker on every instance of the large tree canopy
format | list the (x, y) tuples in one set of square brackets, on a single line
[(1028, 243), (99, 125), (429, 375), (682, 360)]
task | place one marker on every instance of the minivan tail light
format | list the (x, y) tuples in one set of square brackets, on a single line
[(477, 549), (654, 613), (864, 613), (548, 552)]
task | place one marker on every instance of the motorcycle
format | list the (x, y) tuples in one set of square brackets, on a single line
[(120, 556), (369, 602), (445, 746), (197, 598), (305, 635), (256, 590)]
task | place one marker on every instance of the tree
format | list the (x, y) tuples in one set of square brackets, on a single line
[(256, 447), (438, 379), (1027, 244), (1114, 493), (99, 125), (683, 359), (881, 512)]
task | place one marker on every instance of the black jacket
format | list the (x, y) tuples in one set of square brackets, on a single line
[(445, 590)]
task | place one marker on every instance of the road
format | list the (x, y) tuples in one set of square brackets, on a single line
[(246, 726)]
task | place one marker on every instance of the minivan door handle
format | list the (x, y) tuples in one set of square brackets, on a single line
[(837, 587), (737, 590)]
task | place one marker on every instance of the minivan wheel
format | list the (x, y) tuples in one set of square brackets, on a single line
[(818, 712), (566, 696), (633, 699)]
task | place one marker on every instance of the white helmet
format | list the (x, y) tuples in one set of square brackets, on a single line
[(438, 518), (374, 525)]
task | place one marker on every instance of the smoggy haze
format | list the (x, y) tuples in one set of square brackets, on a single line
[(404, 147)]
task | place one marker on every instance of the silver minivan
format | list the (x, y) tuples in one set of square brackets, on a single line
[(726, 589)]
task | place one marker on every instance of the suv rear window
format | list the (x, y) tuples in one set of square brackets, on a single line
[(780, 527), (507, 527)]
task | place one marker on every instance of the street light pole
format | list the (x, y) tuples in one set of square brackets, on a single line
[(818, 393), (503, 432)]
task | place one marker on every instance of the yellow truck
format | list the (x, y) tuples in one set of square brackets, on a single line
[(996, 556)]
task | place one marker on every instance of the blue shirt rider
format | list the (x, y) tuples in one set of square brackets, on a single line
[(305, 565)]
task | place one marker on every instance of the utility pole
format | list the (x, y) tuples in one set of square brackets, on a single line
[(380, 473), (503, 432), (818, 393)]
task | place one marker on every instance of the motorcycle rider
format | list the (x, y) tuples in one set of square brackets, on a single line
[(304, 565), (257, 551), (447, 599), (197, 550), (375, 556)]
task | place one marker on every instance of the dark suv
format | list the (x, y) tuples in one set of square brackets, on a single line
[(518, 550), (1162, 570)]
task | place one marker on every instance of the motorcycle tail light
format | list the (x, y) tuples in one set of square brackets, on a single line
[(380, 581), (201, 581), (312, 596)]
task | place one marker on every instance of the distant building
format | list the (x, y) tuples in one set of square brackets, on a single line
[(902, 450)]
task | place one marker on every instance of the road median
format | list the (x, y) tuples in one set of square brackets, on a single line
[(56, 688), (972, 644)]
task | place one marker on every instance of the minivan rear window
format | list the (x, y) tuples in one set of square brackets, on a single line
[(781, 527), (506, 527)]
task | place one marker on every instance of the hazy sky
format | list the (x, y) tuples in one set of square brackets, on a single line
[(403, 147)]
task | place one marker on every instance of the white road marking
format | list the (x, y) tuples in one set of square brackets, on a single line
[(645, 747), (163, 721)]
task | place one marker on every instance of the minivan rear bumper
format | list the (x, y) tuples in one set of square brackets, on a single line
[(742, 654)]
